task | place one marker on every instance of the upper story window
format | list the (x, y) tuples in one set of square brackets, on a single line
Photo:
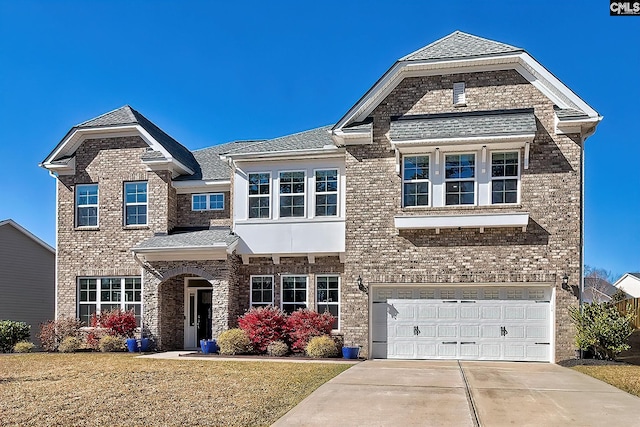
[(460, 173), (259, 195), (328, 296), (294, 293), (207, 202), (96, 295), (261, 291), (326, 192), (135, 203), (87, 205), (459, 96), (415, 180), (504, 177), (292, 194)]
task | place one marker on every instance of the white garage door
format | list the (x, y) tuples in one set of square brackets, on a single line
[(489, 324)]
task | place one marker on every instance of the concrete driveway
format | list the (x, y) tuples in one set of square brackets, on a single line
[(448, 393)]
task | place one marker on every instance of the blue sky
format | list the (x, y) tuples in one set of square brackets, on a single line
[(212, 72)]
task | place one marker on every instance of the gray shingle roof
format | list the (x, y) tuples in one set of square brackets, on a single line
[(127, 116), (195, 239), (635, 274), (314, 138), (453, 125), (152, 155), (570, 113), (211, 166), (460, 45)]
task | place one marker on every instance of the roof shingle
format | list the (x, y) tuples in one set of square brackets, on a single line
[(460, 45), (196, 239)]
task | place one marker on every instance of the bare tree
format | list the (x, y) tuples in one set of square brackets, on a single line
[(598, 282)]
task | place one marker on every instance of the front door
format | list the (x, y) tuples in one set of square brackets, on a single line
[(198, 316)]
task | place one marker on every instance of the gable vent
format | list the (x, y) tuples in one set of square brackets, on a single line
[(458, 94)]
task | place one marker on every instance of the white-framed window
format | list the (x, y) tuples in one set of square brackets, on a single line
[(415, 180), (328, 296), (505, 174), (460, 179), (260, 195), (459, 96), (87, 205), (100, 294), (135, 203), (326, 192), (292, 194), (294, 293), (261, 291), (207, 202)]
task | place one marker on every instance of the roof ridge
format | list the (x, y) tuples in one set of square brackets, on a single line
[(245, 141), (106, 114), (283, 136)]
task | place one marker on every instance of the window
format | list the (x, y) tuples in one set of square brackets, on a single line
[(326, 192), (103, 294), (504, 177), (135, 210), (294, 293), (207, 202), (460, 172), (415, 180), (328, 296), (259, 195), (261, 291), (87, 205), (459, 96), (291, 194)]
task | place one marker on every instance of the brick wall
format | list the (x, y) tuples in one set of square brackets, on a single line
[(550, 193), (190, 218)]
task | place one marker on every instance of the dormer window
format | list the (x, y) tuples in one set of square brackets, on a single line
[(459, 97)]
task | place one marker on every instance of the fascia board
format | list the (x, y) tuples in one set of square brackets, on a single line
[(179, 249), (158, 147), (288, 154), (501, 139), (196, 186), (462, 221)]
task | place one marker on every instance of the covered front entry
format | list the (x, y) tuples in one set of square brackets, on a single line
[(198, 311), (488, 323)]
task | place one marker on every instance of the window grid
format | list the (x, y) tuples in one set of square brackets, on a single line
[(415, 181), (326, 192), (87, 205), (447, 294), (460, 176), (292, 194), (505, 169), (259, 195), (294, 293), (135, 203), (328, 297), (261, 291), (207, 202), (96, 295)]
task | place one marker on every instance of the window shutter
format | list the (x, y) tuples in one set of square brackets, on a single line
[(458, 93)]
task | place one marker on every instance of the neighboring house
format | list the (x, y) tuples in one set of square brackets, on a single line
[(630, 283), (597, 289), (437, 218), (27, 277)]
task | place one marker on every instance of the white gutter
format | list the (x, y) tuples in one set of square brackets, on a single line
[(326, 151)]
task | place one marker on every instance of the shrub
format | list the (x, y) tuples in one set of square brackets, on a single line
[(302, 325), (234, 341), (277, 349), (23, 347), (70, 345), (263, 326), (602, 329), (118, 323), (110, 343), (322, 346), (94, 337), (11, 333), (53, 332)]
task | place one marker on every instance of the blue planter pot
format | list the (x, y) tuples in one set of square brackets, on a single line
[(350, 352), (144, 344), (132, 345), (208, 346)]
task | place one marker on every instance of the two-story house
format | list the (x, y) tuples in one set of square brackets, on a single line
[(440, 217)]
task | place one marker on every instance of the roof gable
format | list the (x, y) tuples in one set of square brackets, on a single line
[(460, 45)]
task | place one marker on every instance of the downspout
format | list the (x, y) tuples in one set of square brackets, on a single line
[(55, 272)]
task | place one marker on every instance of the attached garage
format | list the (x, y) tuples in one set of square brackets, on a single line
[(470, 323)]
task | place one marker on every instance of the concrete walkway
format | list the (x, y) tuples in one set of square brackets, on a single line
[(448, 393)]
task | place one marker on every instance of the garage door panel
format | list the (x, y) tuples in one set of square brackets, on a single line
[(490, 351), (427, 312), (402, 311), (514, 313), (447, 311), (541, 332), (490, 331), (427, 331), (469, 351), (469, 331), (514, 350), (538, 312), (447, 350), (514, 332), (537, 352), (447, 331), (402, 330), (427, 350), (491, 312), (471, 312)]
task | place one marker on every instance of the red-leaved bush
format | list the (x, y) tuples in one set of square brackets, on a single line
[(302, 325), (53, 332), (116, 322), (263, 326)]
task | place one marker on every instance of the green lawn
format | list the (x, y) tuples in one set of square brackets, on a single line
[(624, 377), (95, 389)]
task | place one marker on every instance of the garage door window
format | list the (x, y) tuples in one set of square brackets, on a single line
[(328, 297), (294, 293)]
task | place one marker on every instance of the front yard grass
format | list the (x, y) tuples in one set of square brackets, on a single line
[(624, 377), (94, 389)]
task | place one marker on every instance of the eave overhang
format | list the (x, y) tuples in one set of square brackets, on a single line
[(201, 186), (480, 221), (324, 152)]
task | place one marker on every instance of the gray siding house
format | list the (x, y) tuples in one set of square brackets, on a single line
[(27, 277), (439, 218)]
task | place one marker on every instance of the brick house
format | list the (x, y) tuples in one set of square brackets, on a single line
[(440, 217)]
